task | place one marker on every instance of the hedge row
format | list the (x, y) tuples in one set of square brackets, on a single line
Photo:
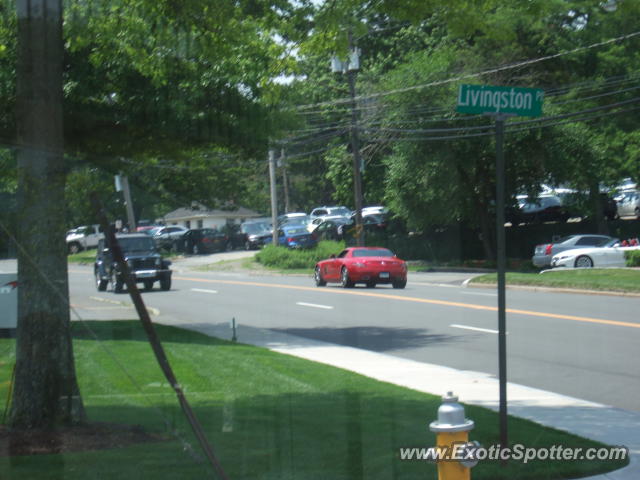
[(633, 258), (285, 258)]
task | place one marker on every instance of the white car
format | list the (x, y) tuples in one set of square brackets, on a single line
[(82, 238), (313, 224), (330, 211), (611, 255)]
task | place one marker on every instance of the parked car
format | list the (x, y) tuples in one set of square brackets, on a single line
[(371, 221), (205, 240), (368, 265), (344, 228), (331, 228), (579, 204), (330, 211), (236, 236), (543, 253), (545, 208), (609, 255), (144, 225), (255, 234), (145, 264), (167, 236), (294, 217), (314, 223), (84, 237), (375, 209), (629, 204), (294, 236)]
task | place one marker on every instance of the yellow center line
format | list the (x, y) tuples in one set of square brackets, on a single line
[(418, 300)]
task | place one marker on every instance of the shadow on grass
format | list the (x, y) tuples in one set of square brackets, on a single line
[(132, 330), (377, 339), (342, 435), (268, 416)]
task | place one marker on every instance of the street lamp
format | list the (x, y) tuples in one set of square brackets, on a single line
[(351, 67)]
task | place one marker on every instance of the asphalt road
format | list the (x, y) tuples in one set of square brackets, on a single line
[(579, 345)]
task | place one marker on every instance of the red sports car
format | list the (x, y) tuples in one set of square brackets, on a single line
[(368, 265)]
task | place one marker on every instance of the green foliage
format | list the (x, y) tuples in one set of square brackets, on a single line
[(265, 405), (632, 258), (340, 173), (285, 258), (620, 280)]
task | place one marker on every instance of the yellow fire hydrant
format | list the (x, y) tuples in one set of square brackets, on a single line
[(452, 440)]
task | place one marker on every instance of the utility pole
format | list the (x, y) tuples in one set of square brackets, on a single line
[(122, 183), (285, 181), (274, 199), (351, 67)]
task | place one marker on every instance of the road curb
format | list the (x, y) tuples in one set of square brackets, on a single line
[(467, 283)]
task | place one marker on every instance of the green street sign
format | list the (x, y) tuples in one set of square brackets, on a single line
[(524, 102)]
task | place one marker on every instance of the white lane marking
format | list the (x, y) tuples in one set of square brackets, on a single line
[(427, 284), (203, 290), (477, 329), (313, 305), (482, 294)]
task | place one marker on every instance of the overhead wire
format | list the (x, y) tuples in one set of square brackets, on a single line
[(468, 76)]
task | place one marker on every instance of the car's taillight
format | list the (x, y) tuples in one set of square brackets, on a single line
[(290, 239), (206, 240), (547, 250)]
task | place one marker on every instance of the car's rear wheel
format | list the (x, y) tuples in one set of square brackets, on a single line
[(228, 247), (345, 281), (117, 284), (74, 248), (101, 284), (165, 283), (399, 283), (371, 284), (247, 245), (195, 249), (317, 275), (148, 284), (583, 262)]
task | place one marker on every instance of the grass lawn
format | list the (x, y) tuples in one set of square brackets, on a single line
[(250, 264), (87, 257), (267, 415), (609, 279)]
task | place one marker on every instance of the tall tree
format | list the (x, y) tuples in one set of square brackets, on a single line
[(46, 393)]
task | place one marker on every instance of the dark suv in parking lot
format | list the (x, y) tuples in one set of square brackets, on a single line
[(145, 264)]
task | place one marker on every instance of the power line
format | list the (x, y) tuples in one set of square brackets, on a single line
[(472, 75)]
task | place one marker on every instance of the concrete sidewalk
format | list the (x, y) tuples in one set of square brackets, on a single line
[(611, 426)]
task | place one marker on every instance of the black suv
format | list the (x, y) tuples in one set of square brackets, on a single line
[(145, 263)]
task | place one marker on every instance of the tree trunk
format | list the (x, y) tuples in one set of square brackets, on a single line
[(597, 209), (487, 229), (46, 393)]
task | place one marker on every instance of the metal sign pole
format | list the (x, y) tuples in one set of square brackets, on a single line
[(274, 199), (501, 261), (500, 102)]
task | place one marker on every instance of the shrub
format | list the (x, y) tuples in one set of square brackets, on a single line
[(285, 258), (633, 258)]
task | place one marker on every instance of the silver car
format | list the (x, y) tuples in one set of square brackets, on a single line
[(543, 253), (629, 204)]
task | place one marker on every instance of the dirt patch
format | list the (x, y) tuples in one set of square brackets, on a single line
[(94, 436)]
